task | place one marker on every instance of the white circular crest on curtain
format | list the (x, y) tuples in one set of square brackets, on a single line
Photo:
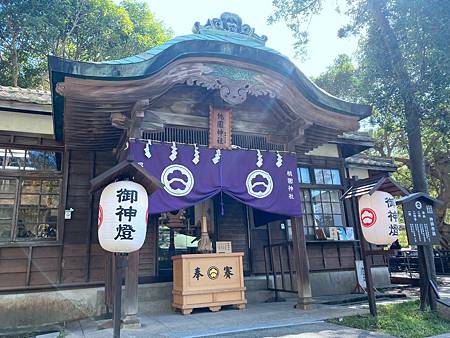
[(177, 180), (259, 183)]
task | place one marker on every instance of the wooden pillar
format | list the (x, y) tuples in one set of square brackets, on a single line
[(367, 261), (131, 318), (109, 283), (301, 264)]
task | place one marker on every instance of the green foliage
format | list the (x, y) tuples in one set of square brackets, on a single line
[(401, 320), (403, 238), (296, 15), (83, 30), (340, 79), (420, 45)]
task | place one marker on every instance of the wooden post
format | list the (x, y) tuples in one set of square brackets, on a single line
[(118, 257), (301, 264), (426, 271), (131, 319), (366, 261), (109, 283)]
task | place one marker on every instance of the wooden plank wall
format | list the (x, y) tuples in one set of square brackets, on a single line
[(258, 238), (82, 257), (232, 226), (147, 254), (80, 261), (322, 255)]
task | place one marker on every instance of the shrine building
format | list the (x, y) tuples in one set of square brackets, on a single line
[(234, 132)]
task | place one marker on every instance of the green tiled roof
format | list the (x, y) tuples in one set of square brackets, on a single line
[(237, 39)]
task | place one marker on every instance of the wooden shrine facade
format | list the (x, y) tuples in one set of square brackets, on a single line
[(165, 95)]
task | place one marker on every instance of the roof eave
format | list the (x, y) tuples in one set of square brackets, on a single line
[(219, 48)]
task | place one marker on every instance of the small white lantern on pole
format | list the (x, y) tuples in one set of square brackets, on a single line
[(379, 218), (122, 219)]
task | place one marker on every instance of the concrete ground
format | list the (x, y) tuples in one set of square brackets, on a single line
[(314, 330), (258, 320)]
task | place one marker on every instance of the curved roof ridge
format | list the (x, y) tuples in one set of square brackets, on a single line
[(225, 46), (148, 54)]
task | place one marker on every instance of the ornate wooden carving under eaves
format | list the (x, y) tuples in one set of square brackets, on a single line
[(234, 84), (228, 23)]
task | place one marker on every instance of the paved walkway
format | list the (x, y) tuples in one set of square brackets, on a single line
[(315, 330), (258, 320), (251, 322)]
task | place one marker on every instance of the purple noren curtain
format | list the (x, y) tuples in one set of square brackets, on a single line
[(190, 174)]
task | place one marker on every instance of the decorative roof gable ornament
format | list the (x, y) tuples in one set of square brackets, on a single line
[(228, 23)]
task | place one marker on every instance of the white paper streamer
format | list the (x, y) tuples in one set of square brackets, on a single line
[(174, 153), (196, 158), (216, 157), (259, 162), (279, 162), (147, 152)]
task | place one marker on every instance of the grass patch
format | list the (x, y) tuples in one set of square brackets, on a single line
[(400, 319)]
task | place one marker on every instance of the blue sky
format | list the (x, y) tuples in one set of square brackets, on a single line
[(324, 46)]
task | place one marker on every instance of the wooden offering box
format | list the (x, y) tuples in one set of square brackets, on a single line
[(208, 280)]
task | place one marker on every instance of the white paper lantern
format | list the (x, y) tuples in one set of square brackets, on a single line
[(379, 218), (122, 218)]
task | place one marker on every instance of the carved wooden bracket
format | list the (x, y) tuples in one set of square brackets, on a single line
[(138, 109), (139, 119), (120, 121), (233, 92), (296, 131), (60, 87)]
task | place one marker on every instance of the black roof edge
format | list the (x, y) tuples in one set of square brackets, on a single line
[(417, 195)]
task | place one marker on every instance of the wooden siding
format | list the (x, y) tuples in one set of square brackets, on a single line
[(78, 259), (232, 226), (258, 238), (322, 255), (147, 254)]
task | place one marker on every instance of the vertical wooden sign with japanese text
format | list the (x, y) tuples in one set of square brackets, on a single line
[(420, 223), (219, 128)]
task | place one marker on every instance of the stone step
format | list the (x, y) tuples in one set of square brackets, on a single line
[(161, 291), (159, 304), (156, 306), (152, 292)]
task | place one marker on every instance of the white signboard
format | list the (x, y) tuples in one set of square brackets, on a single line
[(359, 266), (122, 217), (379, 218)]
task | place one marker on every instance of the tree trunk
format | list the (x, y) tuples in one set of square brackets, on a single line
[(415, 149), (14, 61)]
